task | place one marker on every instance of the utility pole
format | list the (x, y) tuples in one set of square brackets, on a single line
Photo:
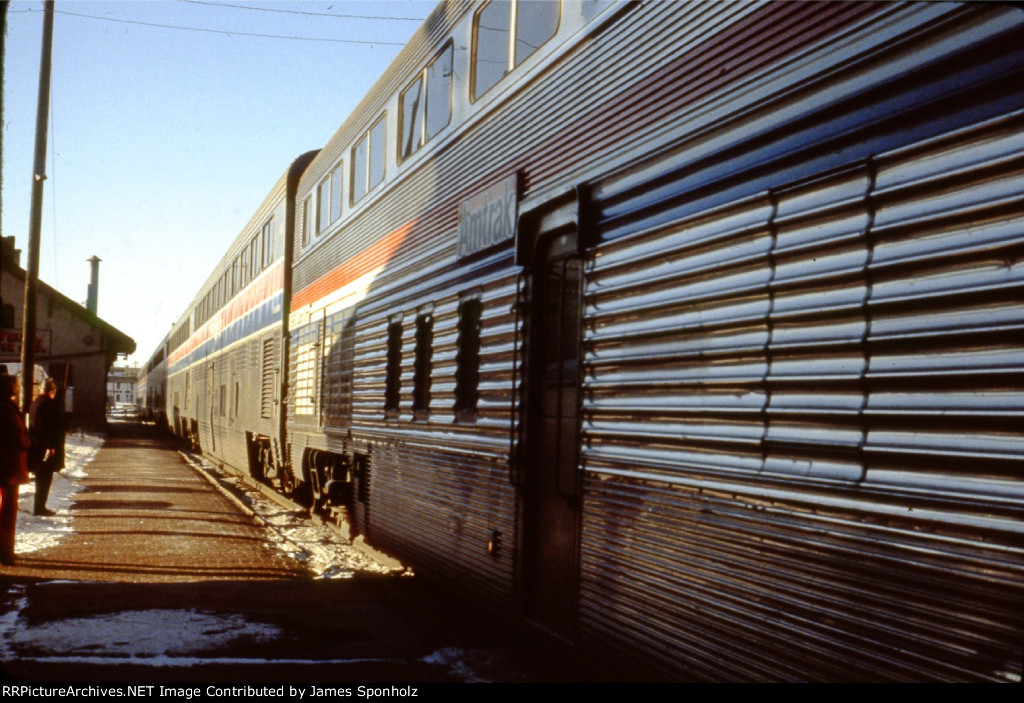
[(28, 333), (3, 75)]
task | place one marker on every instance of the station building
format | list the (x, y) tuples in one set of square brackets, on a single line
[(72, 344)]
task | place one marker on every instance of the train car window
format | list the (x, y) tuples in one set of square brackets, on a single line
[(306, 206), (411, 109), (393, 372), (254, 256), (336, 193), (439, 92), (268, 242), (536, 23), (323, 215), (359, 152), (422, 364), (506, 33), (492, 31), (378, 151), (426, 111), (243, 266), (467, 359), (368, 159)]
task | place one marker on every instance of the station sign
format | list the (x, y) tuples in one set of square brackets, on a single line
[(488, 218), (10, 343)]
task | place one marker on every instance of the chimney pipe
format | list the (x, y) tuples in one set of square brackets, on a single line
[(94, 284)]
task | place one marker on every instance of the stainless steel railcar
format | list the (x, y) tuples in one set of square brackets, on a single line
[(689, 332), (151, 389), (225, 355)]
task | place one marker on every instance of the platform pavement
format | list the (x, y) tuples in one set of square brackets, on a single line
[(144, 516), (151, 534)]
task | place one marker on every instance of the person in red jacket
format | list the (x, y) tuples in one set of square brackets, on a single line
[(14, 444)]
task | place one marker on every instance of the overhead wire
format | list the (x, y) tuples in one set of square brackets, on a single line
[(227, 32), (300, 12)]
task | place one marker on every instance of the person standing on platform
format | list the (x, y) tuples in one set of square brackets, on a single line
[(14, 445), (46, 430)]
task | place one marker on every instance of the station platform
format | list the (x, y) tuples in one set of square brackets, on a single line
[(162, 578)]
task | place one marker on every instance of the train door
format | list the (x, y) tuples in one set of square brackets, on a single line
[(547, 468)]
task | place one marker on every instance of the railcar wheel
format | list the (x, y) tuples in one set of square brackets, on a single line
[(288, 482), (267, 467), (316, 483)]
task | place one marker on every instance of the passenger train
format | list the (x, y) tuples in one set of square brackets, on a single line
[(691, 333)]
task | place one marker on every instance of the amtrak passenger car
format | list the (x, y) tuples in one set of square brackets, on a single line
[(688, 332)]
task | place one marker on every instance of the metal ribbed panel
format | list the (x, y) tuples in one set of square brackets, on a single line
[(779, 367), (440, 491), (947, 317), (802, 429)]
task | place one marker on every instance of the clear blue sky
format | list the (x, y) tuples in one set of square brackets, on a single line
[(164, 141)]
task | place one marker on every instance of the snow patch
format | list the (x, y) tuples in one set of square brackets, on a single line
[(469, 665), (134, 633), (321, 550), (35, 532)]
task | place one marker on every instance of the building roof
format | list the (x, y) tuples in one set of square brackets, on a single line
[(117, 341)]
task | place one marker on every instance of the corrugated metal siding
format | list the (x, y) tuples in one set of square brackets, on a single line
[(440, 488), (736, 394), (802, 445)]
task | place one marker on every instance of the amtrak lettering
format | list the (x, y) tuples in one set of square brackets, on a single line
[(488, 218)]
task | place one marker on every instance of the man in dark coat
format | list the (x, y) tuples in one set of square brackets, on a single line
[(46, 429), (14, 444)]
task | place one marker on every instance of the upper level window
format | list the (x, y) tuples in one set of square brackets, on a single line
[(368, 159), (307, 206), (426, 104), (329, 199), (336, 192), (323, 214), (243, 269), (268, 242), (506, 33), (254, 256)]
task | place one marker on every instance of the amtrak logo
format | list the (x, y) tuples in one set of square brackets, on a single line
[(488, 218)]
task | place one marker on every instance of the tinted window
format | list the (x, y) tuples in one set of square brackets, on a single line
[(439, 92), (368, 159), (490, 62), (378, 151), (425, 112), (306, 206), (359, 165), (412, 108), (336, 193), (324, 212), (536, 23)]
